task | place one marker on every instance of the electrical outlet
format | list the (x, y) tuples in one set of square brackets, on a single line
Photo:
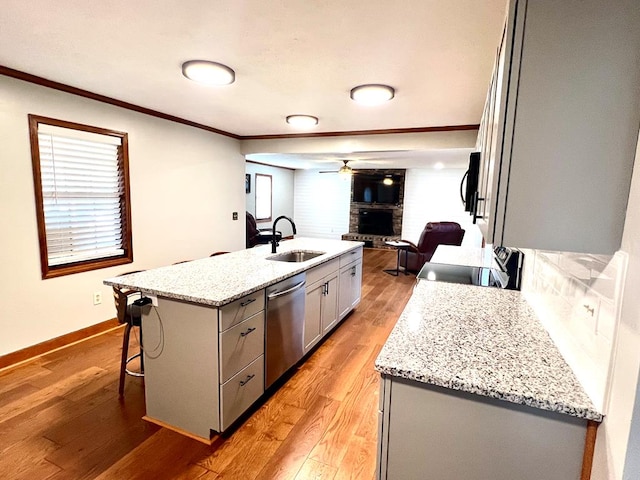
[(97, 298), (234, 215)]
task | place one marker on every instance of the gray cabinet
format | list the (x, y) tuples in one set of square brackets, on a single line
[(559, 129), (204, 366), (350, 282), (321, 303), (432, 432)]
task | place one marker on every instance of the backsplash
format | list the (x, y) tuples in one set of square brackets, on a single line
[(577, 297)]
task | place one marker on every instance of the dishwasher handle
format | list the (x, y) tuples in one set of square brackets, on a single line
[(271, 296)]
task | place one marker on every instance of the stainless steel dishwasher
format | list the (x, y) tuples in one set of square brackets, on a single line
[(284, 338)]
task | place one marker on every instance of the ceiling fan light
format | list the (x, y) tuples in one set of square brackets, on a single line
[(302, 121), (344, 170), (208, 73), (372, 94)]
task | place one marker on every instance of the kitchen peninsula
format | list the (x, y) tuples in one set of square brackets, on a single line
[(474, 387), (204, 332)]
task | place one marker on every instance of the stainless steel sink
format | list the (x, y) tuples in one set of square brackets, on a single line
[(295, 256)]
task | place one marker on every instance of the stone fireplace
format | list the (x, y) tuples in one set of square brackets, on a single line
[(374, 224), (374, 221)]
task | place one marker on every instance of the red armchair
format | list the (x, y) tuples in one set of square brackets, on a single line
[(258, 236), (434, 234)]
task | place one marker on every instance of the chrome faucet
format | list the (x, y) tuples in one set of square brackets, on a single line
[(274, 238)]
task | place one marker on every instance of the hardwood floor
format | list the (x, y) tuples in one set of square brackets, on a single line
[(60, 416)]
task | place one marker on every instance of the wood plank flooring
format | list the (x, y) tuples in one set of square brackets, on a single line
[(60, 416)]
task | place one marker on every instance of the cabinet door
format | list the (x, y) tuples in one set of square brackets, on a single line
[(344, 294), (330, 305), (491, 153), (312, 315), (350, 288), (356, 284), (241, 345)]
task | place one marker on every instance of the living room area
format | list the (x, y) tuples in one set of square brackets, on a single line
[(333, 206)]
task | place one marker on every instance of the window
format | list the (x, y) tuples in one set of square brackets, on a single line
[(81, 182), (263, 197)]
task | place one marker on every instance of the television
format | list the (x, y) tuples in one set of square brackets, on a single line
[(378, 188)]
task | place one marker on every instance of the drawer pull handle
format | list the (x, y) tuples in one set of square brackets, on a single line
[(247, 302), (247, 380), (249, 330)]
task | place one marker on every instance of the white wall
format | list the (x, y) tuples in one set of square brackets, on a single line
[(321, 204), (282, 186), (618, 443), (185, 184), (432, 195), (578, 298)]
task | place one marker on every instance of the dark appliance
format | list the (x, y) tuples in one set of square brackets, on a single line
[(468, 190), (379, 188), (506, 272)]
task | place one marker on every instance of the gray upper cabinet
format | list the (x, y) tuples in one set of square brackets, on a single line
[(559, 129)]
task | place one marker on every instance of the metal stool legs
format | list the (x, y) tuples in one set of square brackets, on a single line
[(124, 360)]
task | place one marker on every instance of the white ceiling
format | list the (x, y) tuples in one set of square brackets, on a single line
[(290, 56), (449, 158)]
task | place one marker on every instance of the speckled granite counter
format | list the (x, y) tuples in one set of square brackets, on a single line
[(455, 255), (224, 278), (485, 341)]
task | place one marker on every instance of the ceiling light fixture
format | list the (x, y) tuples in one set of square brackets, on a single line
[(208, 73), (302, 121), (387, 180), (345, 170), (373, 94)]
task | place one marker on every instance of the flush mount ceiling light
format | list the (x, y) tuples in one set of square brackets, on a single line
[(302, 121), (208, 73), (373, 94), (388, 180)]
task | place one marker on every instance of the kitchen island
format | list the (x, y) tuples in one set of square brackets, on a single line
[(473, 387), (204, 331)]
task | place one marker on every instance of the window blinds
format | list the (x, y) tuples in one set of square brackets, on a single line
[(82, 190)]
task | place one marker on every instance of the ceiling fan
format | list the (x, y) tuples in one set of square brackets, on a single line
[(343, 170)]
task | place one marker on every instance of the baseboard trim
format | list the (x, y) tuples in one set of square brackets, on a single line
[(26, 354), (160, 423)]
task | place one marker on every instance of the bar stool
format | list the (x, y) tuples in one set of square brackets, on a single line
[(129, 315)]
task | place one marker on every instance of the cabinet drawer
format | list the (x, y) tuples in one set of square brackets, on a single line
[(321, 271), (240, 345), (350, 256), (241, 391), (235, 312)]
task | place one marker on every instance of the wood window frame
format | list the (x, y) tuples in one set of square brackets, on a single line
[(51, 271), (257, 183)]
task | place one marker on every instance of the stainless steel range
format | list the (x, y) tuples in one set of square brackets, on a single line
[(506, 271)]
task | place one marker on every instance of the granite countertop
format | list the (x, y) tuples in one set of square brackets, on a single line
[(224, 278), (457, 255), (485, 341)]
